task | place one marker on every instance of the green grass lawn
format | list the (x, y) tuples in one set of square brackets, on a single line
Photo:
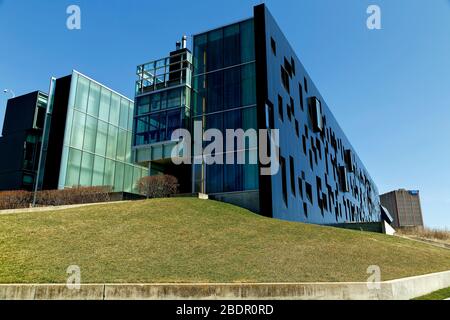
[(438, 295), (191, 240)]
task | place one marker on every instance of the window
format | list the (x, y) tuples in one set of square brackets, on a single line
[(292, 174), (297, 129), (231, 45), (73, 168), (293, 65), (308, 191), (285, 79), (304, 144), (99, 168), (112, 142), (109, 173), (105, 100), (283, 179), (248, 85), (79, 122), (215, 182), (300, 187), (280, 107), (215, 91), (319, 193), (305, 83), (247, 41), (82, 94), (200, 44), (87, 164), (315, 112), (114, 110), (123, 116), (269, 115), (121, 145), (273, 44), (119, 176), (343, 179), (288, 67), (349, 160), (214, 50), (90, 134), (305, 209), (94, 99), (173, 122), (300, 90)]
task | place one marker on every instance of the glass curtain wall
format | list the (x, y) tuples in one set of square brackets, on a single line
[(224, 97), (159, 114), (97, 141)]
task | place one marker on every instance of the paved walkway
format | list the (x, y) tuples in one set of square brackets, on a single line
[(55, 208)]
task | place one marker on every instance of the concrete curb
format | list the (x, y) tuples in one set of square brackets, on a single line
[(401, 289)]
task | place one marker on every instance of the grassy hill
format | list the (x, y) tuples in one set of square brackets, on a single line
[(191, 240)]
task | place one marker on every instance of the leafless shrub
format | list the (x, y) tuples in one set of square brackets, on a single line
[(76, 195), (160, 186), (15, 199)]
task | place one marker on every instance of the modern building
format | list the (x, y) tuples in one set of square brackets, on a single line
[(21, 141), (247, 76), (163, 94), (404, 206), (77, 135), (87, 137)]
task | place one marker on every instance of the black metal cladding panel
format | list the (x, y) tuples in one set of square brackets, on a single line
[(11, 165), (56, 136), (19, 114), (324, 148)]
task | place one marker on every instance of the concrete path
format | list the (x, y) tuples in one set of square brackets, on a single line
[(56, 208)]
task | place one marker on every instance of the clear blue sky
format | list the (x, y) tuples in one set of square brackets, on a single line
[(389, 88)]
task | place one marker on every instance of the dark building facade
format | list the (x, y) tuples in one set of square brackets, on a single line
[(21, 141), (405, 208), (246, 76)]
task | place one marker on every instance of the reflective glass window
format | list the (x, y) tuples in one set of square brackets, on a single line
[(114, 110), (232, 88), (82, 94), (77, 134), (118, 176), (247, 41), (105, 100), (99, 168), (248, 89), (73, 168), (102, 135), (214, 56), (110, 167), (231, 45), (112, 142), (87, 164), (94, 99), (123, 119), (90, 134)]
